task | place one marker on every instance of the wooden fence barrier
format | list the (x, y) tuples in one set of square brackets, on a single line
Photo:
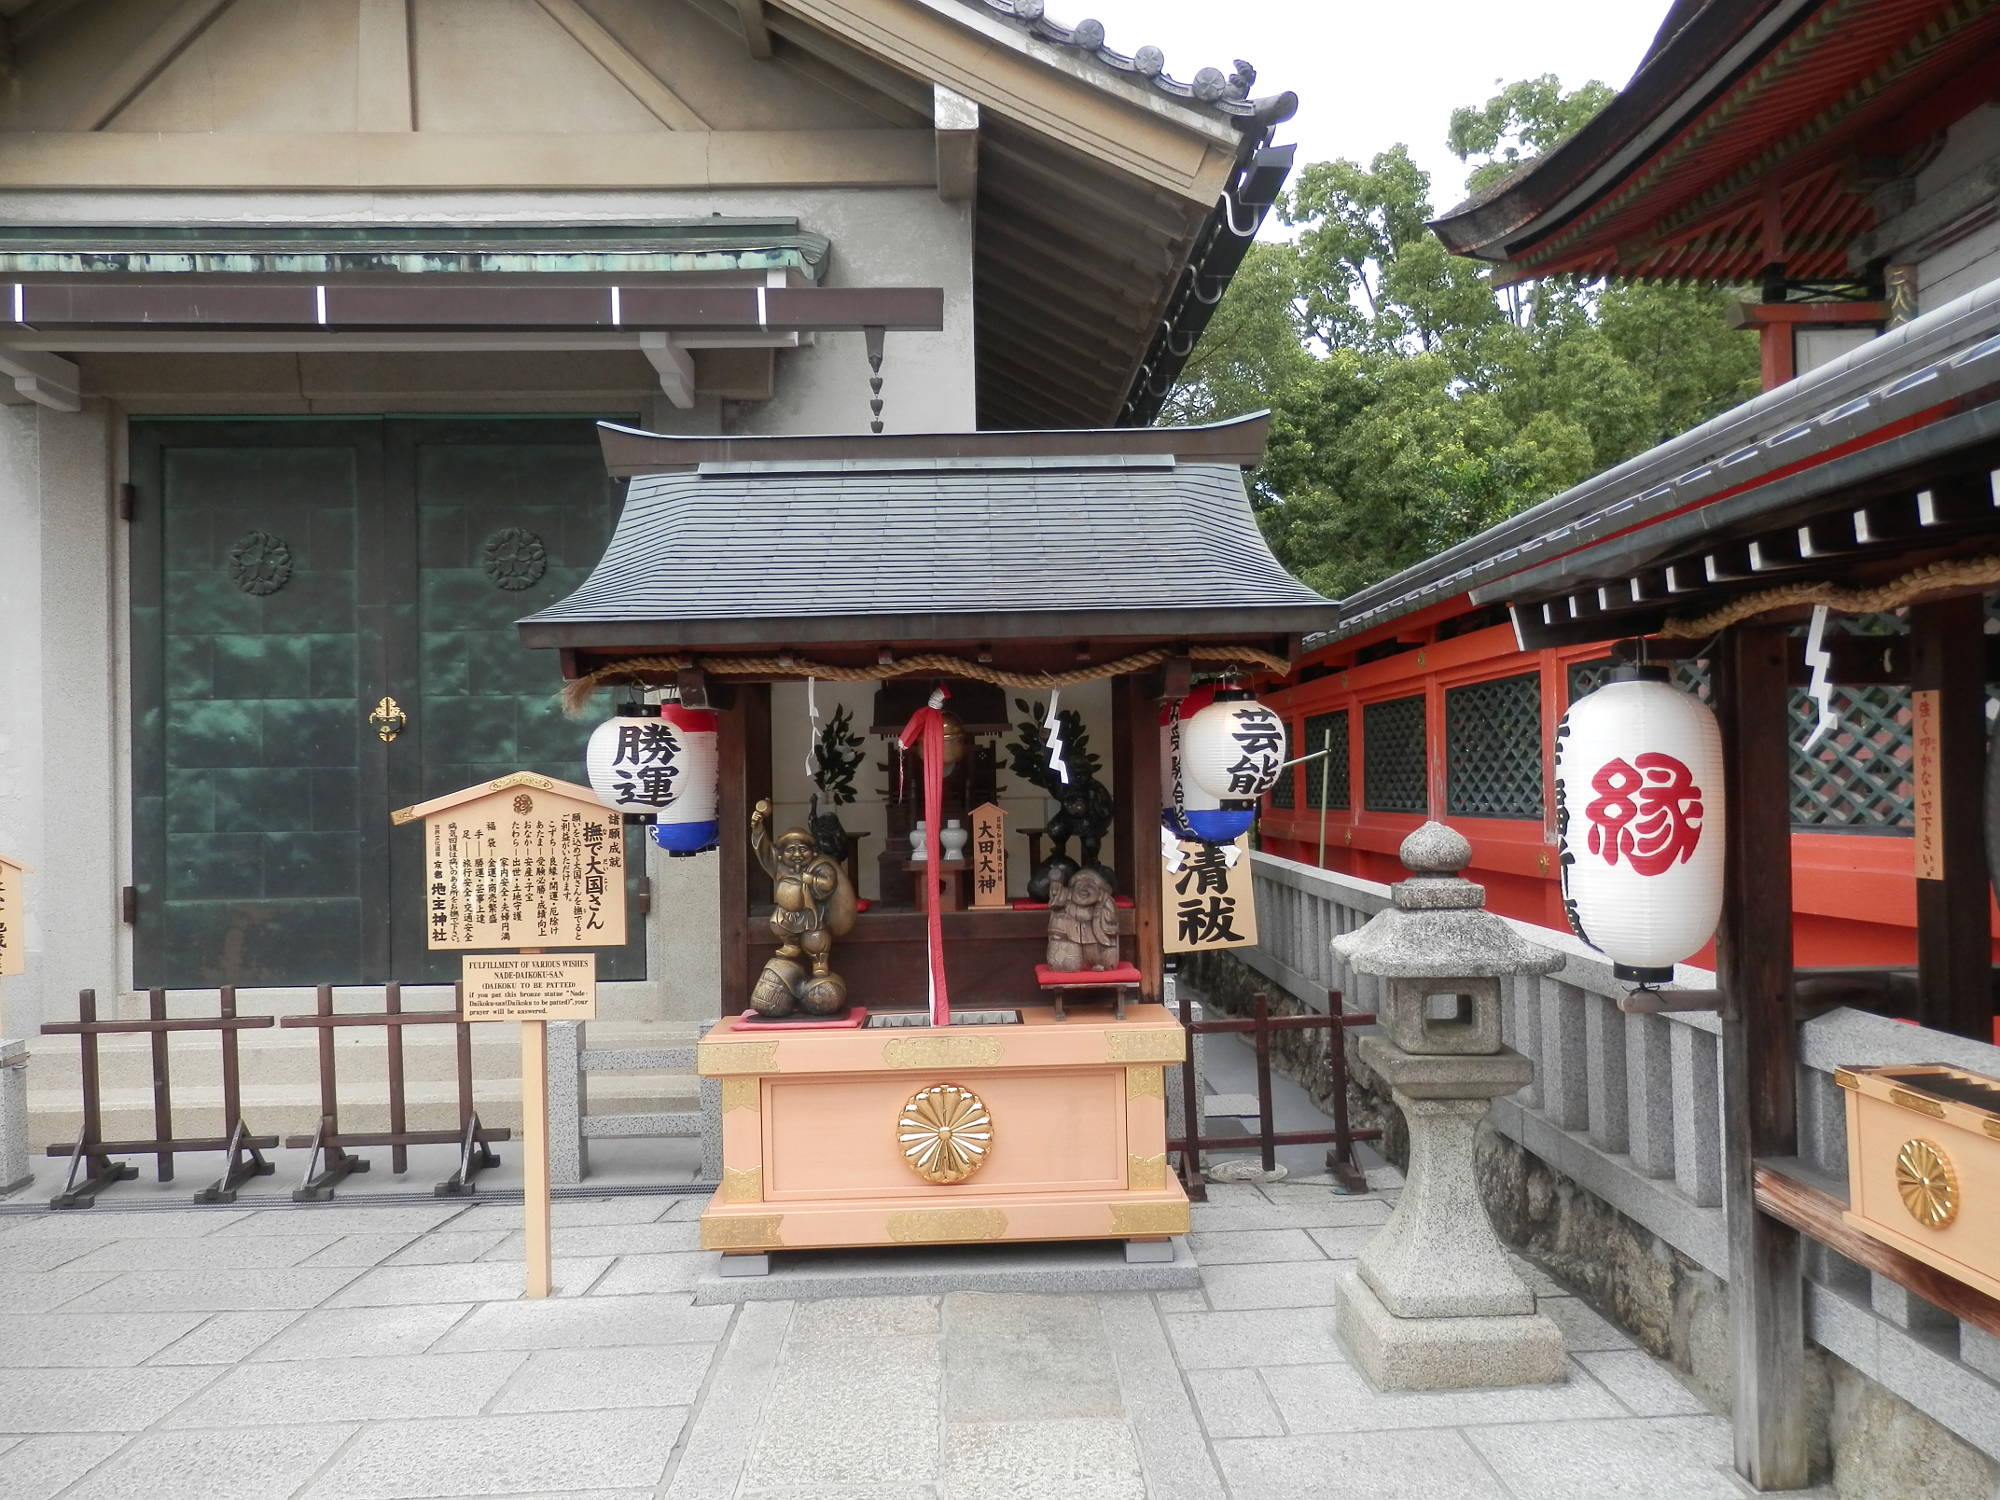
[(330, 1144), (245, 1151), (1260, 1024)]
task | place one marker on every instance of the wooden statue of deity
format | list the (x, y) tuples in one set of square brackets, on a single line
[(1083, 923), (815, 905)]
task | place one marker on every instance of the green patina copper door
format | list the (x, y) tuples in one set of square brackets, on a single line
[(287, 577)]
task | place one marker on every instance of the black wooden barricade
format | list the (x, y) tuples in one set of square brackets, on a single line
[(90, 1149), (1260, 1024), (332, 1161)]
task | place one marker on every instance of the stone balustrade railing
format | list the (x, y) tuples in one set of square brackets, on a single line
[(1630, 1108)]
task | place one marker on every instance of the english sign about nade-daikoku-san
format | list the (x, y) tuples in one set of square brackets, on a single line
[(529, 987)]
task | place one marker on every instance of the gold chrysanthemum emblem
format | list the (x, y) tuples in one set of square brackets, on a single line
[(945, 1133), (1927, 1183)]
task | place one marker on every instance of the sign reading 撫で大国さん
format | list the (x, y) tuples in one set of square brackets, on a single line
[(529, 987), (13, 918), (524, 861), (1207, 901)]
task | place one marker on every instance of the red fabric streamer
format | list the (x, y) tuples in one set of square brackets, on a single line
[(926, 731)]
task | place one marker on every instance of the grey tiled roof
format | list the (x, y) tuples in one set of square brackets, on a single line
[(1226, 93), (923, 538)]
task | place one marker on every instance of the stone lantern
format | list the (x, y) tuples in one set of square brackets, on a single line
[(1433, 1302)]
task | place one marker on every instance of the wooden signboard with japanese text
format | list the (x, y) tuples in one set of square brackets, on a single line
[(525, 861), (1927, 771), (13, 918), (1207, 903), (986, 852), (529, 987)]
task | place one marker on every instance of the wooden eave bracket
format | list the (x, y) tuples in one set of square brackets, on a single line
[(45, 379), (673, 364), (756, 28), (956, 121)]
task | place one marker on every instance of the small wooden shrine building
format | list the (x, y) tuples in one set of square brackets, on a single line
[(993, 562)]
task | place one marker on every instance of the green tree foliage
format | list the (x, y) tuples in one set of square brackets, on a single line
[(1416, 403)]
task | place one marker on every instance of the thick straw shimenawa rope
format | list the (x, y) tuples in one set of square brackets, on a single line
[(576, 694), (1970, 573)]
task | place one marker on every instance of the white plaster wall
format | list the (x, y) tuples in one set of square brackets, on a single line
[(63, 723), (21, 799)]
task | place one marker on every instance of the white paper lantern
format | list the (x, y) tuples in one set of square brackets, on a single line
[(1233, 748), (1187, 810), (1640, 814), (661, 767)]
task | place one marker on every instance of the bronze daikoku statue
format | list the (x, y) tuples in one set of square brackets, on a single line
[(815, 905)]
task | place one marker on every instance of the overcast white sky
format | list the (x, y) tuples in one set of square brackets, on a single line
[(1369, 73)]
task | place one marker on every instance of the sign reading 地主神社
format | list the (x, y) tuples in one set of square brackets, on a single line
[(525, 861), (1207, 900)]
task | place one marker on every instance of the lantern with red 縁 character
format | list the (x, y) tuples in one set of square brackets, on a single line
[(1639, 812)]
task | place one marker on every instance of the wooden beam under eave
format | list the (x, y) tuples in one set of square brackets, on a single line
[(1187, 151), (756, 29), (383, 98), (126, 77), (673, 364), (657, 160), (44, 379), (955, 119), (638, 80)]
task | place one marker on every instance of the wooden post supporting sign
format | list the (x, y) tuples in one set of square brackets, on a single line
[(529, 863)]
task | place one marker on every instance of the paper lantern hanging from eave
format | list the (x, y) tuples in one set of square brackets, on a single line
[(1188, 811), (1234, 748), (1640, 815), (660, 768)]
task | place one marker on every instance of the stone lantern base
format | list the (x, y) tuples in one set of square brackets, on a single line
[(1433, 1302), (1438, 1354)]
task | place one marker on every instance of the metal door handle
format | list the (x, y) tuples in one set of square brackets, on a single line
[(389, 720)]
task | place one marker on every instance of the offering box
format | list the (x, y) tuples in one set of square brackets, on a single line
[(1072, 1144), (1923, 1165)]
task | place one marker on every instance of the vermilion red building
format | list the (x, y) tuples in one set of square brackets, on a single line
[(1840, 160)]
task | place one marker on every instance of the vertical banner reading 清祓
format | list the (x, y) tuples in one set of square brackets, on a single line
[(1207, 900), (522, 862), (988, 853)]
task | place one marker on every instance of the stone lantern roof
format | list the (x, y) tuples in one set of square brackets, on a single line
[(1439, 925)]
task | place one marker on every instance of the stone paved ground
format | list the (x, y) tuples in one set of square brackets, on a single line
[(383, 1352)]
